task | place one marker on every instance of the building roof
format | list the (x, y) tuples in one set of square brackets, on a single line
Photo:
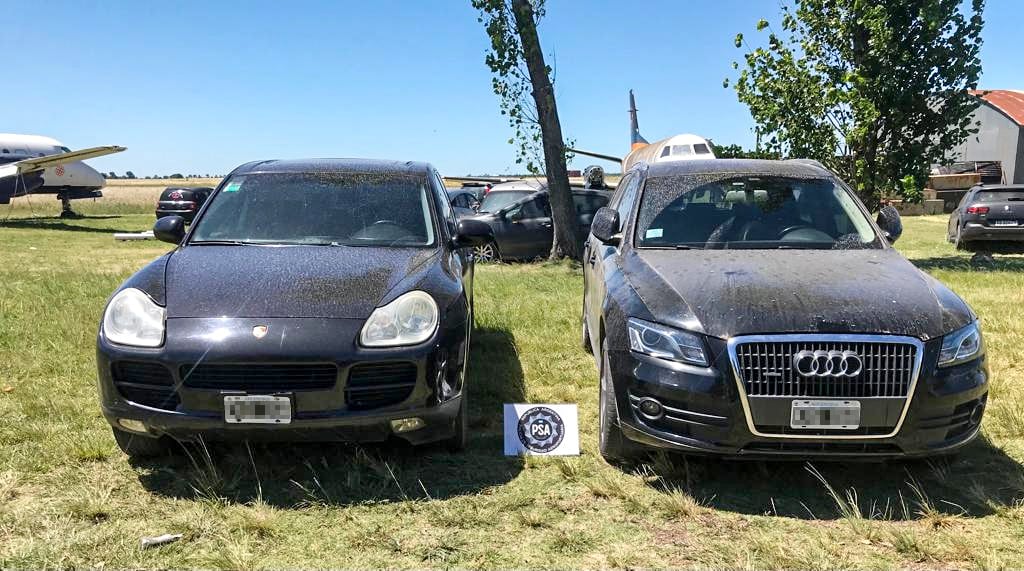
[(1009, 101)]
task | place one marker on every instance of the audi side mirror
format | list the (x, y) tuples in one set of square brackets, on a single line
[(170, 229), (605, 226), (889, 221)]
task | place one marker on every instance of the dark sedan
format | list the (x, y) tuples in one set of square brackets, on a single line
[(990, 217), (182, 201), (753, 308), (519, 213), (327, 299)]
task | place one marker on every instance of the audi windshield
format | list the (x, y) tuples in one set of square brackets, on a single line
[(750, 211), (338, 209)]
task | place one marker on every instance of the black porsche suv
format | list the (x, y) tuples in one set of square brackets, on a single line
[(753, 308), (311, 299)]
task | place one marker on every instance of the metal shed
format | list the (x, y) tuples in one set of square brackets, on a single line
[(1001, 132)]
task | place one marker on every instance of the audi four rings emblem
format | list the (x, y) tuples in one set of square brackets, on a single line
[(832, 363)]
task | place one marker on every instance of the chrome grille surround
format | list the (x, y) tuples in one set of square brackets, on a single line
[(836, 342)]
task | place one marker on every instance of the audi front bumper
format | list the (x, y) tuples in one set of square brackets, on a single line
[(706, 411)]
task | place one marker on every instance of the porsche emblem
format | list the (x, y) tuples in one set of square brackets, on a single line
[(259, 332)]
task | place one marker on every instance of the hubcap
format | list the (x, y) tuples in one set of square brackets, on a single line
[(484, 253)]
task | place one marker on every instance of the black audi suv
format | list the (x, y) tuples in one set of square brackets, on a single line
[(753, 308), (320, 299)]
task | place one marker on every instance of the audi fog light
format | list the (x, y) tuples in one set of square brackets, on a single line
[(410, 319), (961, 345), (132, 318), (132, 425), (665, 343), (651, 408), (407, 424)]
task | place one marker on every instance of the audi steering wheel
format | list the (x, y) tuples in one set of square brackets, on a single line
[(391, 222), (792, 228)]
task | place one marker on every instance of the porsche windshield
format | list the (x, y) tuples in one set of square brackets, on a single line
[(728, 210), (338, 209)]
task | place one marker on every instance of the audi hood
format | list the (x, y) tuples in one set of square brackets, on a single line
[(725, 293), (286, 281)]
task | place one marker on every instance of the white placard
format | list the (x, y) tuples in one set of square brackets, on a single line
[(541, 430)]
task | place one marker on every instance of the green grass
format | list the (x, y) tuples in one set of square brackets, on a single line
[(69, 498)]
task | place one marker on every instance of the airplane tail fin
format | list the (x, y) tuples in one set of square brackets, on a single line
[(636, 139)]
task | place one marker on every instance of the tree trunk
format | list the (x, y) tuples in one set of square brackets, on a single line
[(563, 212)]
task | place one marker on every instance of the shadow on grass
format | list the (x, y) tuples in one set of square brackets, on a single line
[(56, 223), (978, 482), (310, 474), (996, 262)]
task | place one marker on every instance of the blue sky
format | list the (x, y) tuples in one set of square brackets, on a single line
[(204, 86)]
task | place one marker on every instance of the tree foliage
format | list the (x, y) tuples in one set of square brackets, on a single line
[(522, 80), (735, 151), (876, 90)]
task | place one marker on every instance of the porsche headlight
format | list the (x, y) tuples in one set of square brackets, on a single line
[(408, 320), (132, 318), (961, 345), (666, 343)]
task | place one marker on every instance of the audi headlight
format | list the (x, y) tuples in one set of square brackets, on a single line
[(665, 343), (133, 318), (408, 320), (961, 345)]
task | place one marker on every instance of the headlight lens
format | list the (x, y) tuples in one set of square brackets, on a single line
[(408, 320), (666, 343), (132, 318), (961, 345)]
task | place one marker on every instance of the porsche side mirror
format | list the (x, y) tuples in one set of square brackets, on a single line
[(514, 215), (472, 233), (170, 229), (889, 221), (605, 226)]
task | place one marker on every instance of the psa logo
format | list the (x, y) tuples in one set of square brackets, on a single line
[(541, 429)]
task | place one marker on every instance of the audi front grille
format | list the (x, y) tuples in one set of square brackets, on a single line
[(822, 366)]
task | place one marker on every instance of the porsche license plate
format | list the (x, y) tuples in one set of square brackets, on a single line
[(257, 409), (834, 414), (1004, 222)]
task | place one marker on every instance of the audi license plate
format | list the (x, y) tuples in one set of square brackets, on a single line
[(257, 409), (1004, 222), (834, 414)]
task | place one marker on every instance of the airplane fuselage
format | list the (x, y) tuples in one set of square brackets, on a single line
[(69, 181)]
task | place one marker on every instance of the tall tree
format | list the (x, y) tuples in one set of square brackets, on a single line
[(517, 62), (876, 90)]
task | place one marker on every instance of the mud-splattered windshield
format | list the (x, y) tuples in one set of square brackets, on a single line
[(341, 209), (729, 210)]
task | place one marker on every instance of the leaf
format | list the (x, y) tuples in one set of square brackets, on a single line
[(738, 41), (762, 24)]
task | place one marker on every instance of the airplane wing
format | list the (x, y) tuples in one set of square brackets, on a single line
[(481, 178), (39, 163), (595, 155)]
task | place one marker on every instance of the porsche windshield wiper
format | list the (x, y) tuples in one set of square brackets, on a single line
[(221, 243)]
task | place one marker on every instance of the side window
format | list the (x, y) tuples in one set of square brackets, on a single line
[(627, 199), (534, 208), (444, 204)]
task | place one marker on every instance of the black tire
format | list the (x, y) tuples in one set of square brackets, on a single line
[(960, 243), (584, 330), (614, 446), (460, 437), (138, 446)]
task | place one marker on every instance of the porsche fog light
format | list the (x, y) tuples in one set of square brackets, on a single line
[(132, 425), (961, 345), (665, 342), (410, 319), (407, 424), (132, 318)]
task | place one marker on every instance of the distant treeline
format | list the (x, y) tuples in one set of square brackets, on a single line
[(129, 175)]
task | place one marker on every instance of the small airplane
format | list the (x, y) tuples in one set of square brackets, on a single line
[(31, 164), (684, 147)]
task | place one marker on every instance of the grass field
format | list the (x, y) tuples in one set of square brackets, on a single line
[(69, 498)]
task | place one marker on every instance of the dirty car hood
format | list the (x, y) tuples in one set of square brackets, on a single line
[(291, 281), (735, 292)]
